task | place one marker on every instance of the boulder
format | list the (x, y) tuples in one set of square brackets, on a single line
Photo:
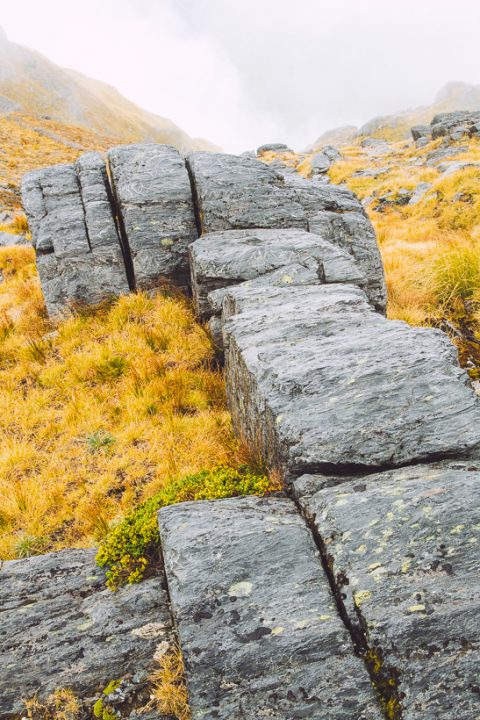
[(62, 628), (220, 260), (9, 239), (315, 379), (153, 195), (79, 253), (273, 147), (403, 548), (419, 193), (455, 124), (257, 623), (238, 193), (320, 163), (421, 131)]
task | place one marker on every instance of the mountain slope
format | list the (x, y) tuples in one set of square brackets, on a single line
[(32, 84)]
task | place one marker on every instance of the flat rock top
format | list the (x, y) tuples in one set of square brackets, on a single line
[(257, 623), (407, 544), (61, 627), (347, 387)]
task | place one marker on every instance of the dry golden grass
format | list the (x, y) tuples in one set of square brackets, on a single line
[(169, 691), (60, 705), (30, 142), (98, 413)]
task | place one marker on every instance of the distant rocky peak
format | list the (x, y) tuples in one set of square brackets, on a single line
[(459, 95)]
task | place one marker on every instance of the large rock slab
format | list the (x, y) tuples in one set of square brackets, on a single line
[(62, 628), (456, 124), (316, 379), (79, 254), (154, 199), (219, 260), (403, 547), (257, 623), (235, 193)]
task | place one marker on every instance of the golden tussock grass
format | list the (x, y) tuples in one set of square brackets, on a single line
[(99, 412), (169, 691)]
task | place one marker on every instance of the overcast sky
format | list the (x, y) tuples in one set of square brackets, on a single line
[(244, 72)]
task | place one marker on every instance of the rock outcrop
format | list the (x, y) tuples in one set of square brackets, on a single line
[(79, 253), (62, 628), (257, 622), (355, 594)]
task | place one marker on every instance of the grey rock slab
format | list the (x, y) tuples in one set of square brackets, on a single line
[(352, 231), (320, 163), (273, 147), (317, 379), (10, 240), (62, 628), (421, 131), (235, 193), (456, 124), (404, 548), (257, 623), (154, 197), (419, 193), (79, 254), (219, 260)]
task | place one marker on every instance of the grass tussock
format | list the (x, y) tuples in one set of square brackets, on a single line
[(98, 413), (169, 691), (60, 705)]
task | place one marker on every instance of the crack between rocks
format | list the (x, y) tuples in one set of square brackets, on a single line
[(120, 225), (384, 679), (196, 203)]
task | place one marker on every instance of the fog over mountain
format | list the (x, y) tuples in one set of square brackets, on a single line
[(260, 70)]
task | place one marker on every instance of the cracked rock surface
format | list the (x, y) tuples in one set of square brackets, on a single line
[(257, 623), (219, 260), (403, 546), (60, 627), (154, 198), (79, 255), (317, 379), (235, 193)]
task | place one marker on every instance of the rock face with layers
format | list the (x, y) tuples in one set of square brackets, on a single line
[(456, 124), (238, 193), (317, 379), (154, 199), (62, 628), (220, 260), (79, 254), (256, 620), (404, 550)]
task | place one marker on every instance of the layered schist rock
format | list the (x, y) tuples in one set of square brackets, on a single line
[(79, 254), (62, 628), (257, 623), (266, 257), (403, 549), (317, 379), (238, 193), (154, 200)]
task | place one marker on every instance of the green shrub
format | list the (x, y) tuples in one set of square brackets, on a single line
[(130, 546)]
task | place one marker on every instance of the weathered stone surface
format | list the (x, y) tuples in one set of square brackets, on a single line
[(353, 232), (404, 548), (219, 260), (273, 147), (456, 124), (320, 163), (154, 197), (421, 131), (62, 628), (235, 193), (79, 255), (10, 240), (317, 379), (419, 193), (258, 626)]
